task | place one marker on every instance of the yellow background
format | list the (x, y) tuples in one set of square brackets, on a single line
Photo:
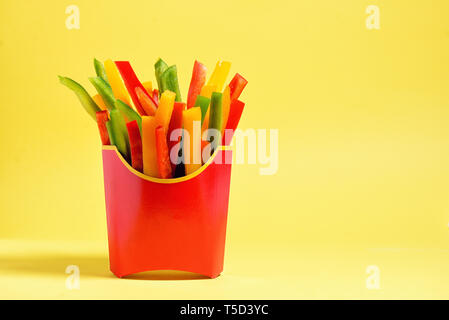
[(363, 119)]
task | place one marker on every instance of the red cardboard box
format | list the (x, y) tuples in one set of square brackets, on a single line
[(166, 224)]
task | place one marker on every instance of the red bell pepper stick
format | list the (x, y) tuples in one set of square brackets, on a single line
[(135, 143), (196, 83), (156, 96), (235, 113), (163, 158), (175, 123), (102, 118), (132, 82), (146, 103), (237, 84)]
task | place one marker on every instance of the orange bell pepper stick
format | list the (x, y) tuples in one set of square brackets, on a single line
[(163, 158), (99, 101), (102, 118), (147, 104), (149, 126)]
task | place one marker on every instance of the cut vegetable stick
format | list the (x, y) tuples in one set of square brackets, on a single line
[(119, 134), (116, 82), (110, 132), (104, 90), (135, 143), (149, 126), (175, 123), (163, 159), (237, 84), (102, 118), (215, 123), (148, 85), (226, 105), (129, 113), (220, 74), (132, 82), (99, 101), (159, 68), (86, 101), (235, 113), (169, 81), (192, 149), (147, 104), (165, 109), (156, 96), (100, 71), (216, 112), (203, 103), (196, 83), (206, 91), (205, 122)]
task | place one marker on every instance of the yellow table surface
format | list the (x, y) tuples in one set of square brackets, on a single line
[(36, 270), (362, 116)]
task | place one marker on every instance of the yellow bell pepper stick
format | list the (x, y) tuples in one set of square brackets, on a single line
[(99, 101), (165, 109), (226, 106), (149, 154), (116, 82), (220, 74), (206, 91), (148, 86), (192, 153)]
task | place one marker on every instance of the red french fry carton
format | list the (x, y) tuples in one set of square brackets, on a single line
[(166, 224)]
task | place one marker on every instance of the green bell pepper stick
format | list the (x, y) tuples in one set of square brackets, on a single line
[(203, 103), (215, 117), (118, 133), (159, 68), (169, 81), (129, 113), (86, 100), (100, 71), (110, 133), (105, 92)]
